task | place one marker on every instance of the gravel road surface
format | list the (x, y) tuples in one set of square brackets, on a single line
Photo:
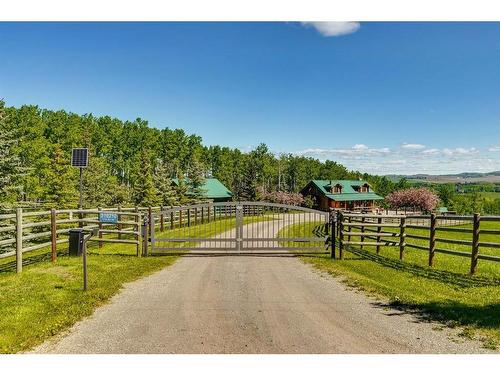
[(250, 304)]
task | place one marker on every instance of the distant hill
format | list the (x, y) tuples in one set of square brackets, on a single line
[(465, 177)]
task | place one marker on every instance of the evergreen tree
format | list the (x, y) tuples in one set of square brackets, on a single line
[(9, 161), (164, 186), (100, 187), (61, 180), (196, 182), (145, 193), (182, 190)]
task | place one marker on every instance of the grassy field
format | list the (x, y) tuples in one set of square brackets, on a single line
[(486, 194), (47, 298), (445, 293)]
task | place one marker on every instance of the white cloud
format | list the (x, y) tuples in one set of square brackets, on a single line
[(494, 149), (409, 160), (333, 28), (357, 151), (412, 146)]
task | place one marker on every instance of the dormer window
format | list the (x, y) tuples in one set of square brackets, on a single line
[(337, 189), (365, 188)]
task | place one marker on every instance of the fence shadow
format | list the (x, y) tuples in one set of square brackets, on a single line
[(45, 257), (486, 316), (463, 281)]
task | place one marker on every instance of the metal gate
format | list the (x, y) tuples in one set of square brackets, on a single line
[(235, 228)]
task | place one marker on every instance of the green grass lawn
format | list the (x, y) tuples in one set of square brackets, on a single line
[(47, 298), (445, 293)]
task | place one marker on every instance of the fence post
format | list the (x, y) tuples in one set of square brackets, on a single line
[(100, 225), (379, 229), (362, 239), (432, 239), (332, 220), (189, 217), (119, 223), (402, 226), (349, 229), (172, 220), (53, 235), (19, 239), (145, 227), (341, 235), (162, 219), (475, 243), (138, 231), (150, 222)]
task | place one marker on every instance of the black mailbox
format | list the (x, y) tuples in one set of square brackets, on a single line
[(76, 242)]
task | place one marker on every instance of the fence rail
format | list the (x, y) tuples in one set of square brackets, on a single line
[(391, 230), (26, 231)]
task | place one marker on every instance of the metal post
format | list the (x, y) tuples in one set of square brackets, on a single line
[(145, 225), (84, 265), (19, 239), (80, 204)]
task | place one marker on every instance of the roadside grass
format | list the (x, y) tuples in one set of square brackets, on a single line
[(445, 293), (47, 298)]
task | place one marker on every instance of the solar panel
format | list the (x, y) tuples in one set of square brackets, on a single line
[(79, 157)]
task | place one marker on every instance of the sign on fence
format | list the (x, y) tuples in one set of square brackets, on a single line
[(108, 217)]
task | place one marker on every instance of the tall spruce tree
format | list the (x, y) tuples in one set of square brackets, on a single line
[(100, 187), (61, 180), (9, 161), (145, 193), (163, 184), (196, 181)]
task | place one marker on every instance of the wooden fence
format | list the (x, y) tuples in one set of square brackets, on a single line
[(391, 230), (26, 231)]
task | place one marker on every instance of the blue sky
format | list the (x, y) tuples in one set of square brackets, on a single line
[(377, 97)]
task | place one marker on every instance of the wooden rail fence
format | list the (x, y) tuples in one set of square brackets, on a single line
[(391, 231)]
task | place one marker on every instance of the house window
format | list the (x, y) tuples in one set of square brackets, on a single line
[(337, 189)]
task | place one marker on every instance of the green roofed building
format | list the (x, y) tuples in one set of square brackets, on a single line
[(341, 194), (214, 190)]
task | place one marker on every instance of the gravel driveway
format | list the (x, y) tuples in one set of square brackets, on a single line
[(250, 304)]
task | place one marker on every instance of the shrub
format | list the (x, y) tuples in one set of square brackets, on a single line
[(422, 199)]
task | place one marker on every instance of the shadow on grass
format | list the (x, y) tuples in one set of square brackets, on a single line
[(487, 316), (453, 278), (27, 261)]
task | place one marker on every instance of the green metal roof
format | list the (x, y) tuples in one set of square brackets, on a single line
[(348, 192), (214, 189)]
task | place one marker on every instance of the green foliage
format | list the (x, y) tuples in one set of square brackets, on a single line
[(60, 181), (145, 193), (100, 187), (122, 174), (196, 181), (9, 160), (164, 187)]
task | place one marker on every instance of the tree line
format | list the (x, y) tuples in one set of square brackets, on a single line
[(133, 163)]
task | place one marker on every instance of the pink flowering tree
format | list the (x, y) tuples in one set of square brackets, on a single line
[(282, 197), (419, 199)]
